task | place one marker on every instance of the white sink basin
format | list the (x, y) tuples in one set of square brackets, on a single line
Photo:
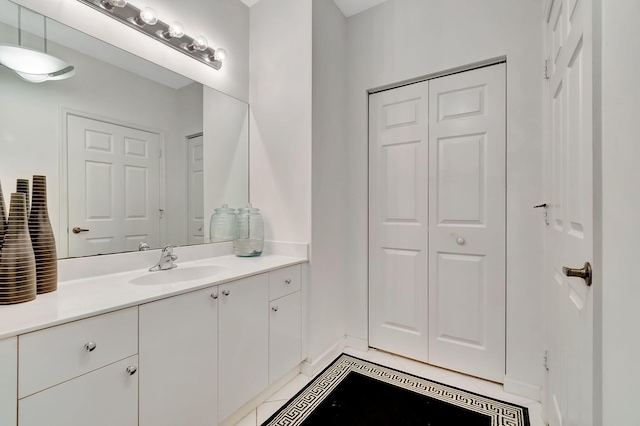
[(179, 275)]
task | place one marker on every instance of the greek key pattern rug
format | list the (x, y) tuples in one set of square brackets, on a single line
[(300, 407)]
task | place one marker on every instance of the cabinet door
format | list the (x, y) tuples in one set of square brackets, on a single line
[(8, 381), (285, 345), (243, 361), (178, 360), (108, 396)]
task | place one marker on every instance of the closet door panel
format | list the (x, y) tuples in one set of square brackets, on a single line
[(467, 222)]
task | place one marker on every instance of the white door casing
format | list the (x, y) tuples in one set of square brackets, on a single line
[(398, 220), (113, 187), (195, 170), (467, 221), (567, 399)]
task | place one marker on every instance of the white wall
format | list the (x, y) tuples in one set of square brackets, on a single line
[(329, 174), (224, 23), (619, 205), (226, 153), (405, 39), (280, 124)]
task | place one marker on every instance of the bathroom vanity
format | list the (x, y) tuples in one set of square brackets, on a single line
[(121, 349)]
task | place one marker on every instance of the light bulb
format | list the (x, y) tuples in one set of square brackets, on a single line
[(110, 4), (175, 30), (199, 43), (148, 16), (220, 55)]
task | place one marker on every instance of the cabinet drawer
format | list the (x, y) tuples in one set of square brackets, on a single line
[(107, 396), (284, 281), (51, 356)]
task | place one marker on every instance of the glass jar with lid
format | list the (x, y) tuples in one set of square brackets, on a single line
[(223, 224), (249, 232)]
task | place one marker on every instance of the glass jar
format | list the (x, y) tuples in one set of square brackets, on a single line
[(249, 232), (223, 224)]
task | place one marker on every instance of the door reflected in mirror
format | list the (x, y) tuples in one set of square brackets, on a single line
[(133, 153)]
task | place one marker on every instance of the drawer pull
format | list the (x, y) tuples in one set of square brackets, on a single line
[(226, 292), (131, 370), (274, 309), (90, 346), (287, 281)]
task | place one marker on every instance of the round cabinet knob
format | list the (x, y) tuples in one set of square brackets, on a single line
[(90, 346), (131, 370), (214, 295), (274, 308), (460, 241), (287, 281), (226, 292)]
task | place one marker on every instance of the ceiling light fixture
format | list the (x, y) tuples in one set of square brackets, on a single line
[(146, 21), (33, 65)]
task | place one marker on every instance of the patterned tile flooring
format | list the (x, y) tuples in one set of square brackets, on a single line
[(494, 390)]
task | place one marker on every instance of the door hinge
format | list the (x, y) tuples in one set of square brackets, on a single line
[(545, 360), (545, 69), (544, 213)]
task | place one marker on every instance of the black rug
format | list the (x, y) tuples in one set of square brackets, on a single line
[(355, 392)]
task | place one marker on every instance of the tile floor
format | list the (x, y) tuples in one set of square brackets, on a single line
[(271, 405)]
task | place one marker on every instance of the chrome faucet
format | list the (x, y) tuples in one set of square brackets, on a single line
[(166, 260)]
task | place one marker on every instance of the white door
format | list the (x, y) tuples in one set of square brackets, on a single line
[(569, 235), (113, 187), (437, 166), (467, 223), (243, 342), (398, 220), (178, 353), (196, 190)]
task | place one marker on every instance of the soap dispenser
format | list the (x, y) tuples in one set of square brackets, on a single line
[(249, 232), (223, 224)]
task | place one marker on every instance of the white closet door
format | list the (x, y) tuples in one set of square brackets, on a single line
[(398, 220), (113, 175), (467, 189), (569, 236)]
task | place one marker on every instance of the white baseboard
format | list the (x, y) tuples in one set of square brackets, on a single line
[(522, 389), (311, 367), (355, 343), (241, 412)]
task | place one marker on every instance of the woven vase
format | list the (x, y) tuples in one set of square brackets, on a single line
[(22, 187), (42, 238), (17, 262), (3, 219)]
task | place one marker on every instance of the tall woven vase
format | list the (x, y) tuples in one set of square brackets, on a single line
[(42, 238), (22, 187), (17, 262), (3, 219)]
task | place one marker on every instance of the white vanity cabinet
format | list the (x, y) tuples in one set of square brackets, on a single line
[(243, 339), (285, 321), (178, 360), (81, 372), (8, 381), (107, 396)]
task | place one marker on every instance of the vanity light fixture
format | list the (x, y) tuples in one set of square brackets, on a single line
[(146, 21)]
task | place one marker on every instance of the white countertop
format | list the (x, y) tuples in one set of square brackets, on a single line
[(82, 298)]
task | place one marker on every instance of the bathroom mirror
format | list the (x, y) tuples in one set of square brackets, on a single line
[(133, 153)]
